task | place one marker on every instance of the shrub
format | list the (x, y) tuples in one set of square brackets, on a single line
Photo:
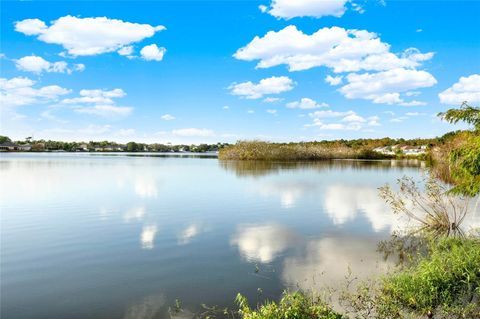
[(435, 211), (446, 282), (294, 305)]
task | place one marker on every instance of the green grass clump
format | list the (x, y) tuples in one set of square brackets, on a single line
[(294, 305), (445, 282)]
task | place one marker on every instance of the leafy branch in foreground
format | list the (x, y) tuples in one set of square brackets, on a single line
[(466, 113), (435, 210)]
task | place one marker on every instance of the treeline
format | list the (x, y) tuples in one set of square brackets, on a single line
[(49, 145)]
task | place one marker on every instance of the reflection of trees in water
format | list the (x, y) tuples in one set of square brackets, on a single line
[(262, 168)]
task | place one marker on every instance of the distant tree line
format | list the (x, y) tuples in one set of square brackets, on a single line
[(49, 145), (354, 144)]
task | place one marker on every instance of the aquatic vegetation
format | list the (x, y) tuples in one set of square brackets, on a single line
[(259, 150), (435, 211), (292, 305)]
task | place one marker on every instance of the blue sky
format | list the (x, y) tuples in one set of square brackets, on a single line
[(198, 71)]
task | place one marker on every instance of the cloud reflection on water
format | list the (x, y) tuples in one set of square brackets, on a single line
[(262, 243), (324, 262), (344, 203), (135, 213), (289, 192), (145, 187), (147, 237), (187, 234)]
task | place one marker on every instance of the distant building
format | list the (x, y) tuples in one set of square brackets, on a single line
[(111, 148), (402, 149), (413, 150), (82, 148), (386, 150), (25, 147), (8, 146)]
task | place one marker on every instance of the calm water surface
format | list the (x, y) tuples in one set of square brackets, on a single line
[(92, 236)]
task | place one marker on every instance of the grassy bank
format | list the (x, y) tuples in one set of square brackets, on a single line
[(265, 151), (443, 283)]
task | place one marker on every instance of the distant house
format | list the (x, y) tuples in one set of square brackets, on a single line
[(111, 148), (402, 149), (82, 148), (24, 147), (8, 146), (414, 150), (386, 150)]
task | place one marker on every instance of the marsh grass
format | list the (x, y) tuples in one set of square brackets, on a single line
[(265, 151)]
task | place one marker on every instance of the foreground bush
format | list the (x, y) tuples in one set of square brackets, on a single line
[(457, 159), (443, 283), (446, 283), (292, 306)]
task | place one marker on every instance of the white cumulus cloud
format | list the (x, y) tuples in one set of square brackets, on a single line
[(288, 9), (348, 120), (333, 80), (385, 87), (337, 48), (20, 91), (374, 72), (99, 102), (466, 89), (88, 36), (126, 50), (272, 85), (105, 110), (152, 53), (167, 117), (36, 64), (306, 103)]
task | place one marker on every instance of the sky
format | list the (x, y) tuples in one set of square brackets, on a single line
[(222, 71)]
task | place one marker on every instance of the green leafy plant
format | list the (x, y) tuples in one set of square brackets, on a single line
[(294, 305), (446, 282), (466, 113)]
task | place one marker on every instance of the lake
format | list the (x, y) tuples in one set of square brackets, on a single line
[(118, 236)]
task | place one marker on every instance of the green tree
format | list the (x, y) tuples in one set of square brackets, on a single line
[(132, 147), (4, 139), (466, 113), (464, 159)]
